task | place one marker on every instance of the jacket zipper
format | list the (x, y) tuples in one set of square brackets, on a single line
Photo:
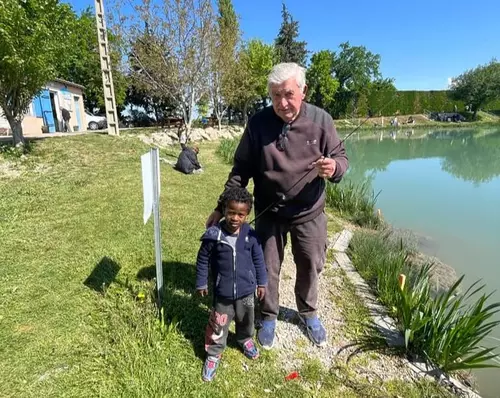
[(234, 268)]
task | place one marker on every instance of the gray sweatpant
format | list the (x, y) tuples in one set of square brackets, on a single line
[(309, 243), (223, 312)]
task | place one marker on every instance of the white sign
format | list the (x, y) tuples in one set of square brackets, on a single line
[(150, 163), (147, 185)]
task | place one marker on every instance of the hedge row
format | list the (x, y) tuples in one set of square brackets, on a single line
[(410, 102)]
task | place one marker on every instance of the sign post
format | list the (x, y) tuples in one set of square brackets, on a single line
[(150, 163)]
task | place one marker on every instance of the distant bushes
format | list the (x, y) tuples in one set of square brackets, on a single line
[(409, 102)]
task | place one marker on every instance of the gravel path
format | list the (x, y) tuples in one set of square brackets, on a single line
[(294, 347)]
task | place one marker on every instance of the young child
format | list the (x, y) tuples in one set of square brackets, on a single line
[(236, 259)]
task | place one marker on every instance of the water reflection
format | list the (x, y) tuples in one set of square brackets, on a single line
[(467, 154)]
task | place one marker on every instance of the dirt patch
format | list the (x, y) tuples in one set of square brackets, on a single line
[(9, 170)]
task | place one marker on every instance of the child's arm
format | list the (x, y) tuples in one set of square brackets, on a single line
[(260, 265), (202, 264)]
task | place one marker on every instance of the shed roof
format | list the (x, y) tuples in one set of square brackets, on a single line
[(68, 83)]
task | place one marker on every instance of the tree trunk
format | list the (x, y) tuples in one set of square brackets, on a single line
[(156, 115), (17, 129), (245, 114)]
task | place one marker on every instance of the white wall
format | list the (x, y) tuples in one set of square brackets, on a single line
[(3, 121)]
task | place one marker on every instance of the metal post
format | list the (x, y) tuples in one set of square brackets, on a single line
[(107, 78), (155, 167)]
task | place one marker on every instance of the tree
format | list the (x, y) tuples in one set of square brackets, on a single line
[(169, 44), (355, 67), (321, 84), (33, 37), (288, 49), (145, 105), (478, 86), (255, 61), (380, 93), (81, 64), (223, 66)]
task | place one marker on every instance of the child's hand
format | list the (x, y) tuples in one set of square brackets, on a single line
[(261, 292), (202, 292)]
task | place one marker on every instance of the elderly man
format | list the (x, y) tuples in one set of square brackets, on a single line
[(280, 144)]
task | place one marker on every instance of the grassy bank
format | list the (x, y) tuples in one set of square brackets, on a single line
[(77, 316), (484, 119), (446, 328)]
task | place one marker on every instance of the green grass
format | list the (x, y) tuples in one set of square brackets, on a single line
[(353, 202), (446, 328), (76, 312), (227, 148)]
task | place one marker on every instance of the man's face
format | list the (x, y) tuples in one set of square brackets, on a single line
[(287, 98)]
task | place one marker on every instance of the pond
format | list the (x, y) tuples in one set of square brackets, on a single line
[(445, 186)]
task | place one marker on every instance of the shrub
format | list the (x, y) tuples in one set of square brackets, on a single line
[(227, 149), (354, 202), (445, 328)]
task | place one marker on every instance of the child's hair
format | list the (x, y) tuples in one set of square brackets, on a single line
[(237, 194)]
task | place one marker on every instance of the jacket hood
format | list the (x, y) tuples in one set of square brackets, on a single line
[(214, 233)]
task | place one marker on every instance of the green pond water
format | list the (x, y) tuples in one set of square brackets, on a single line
[(444, 186)]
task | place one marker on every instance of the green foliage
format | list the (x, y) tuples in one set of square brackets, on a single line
[(227, 148), (354, 202), (476, 87), (322, 86), (138, 97), (203, 106), (81, 62), (355, 68), (255, 61), (33, 37), (288, 49), (224, 89), (446, 328)]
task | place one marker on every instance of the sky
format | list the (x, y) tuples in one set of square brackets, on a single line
[(422, 44)]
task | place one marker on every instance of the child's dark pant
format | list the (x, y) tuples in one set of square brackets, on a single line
[(224, 311)]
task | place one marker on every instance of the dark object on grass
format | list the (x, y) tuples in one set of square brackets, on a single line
[(102, 275)]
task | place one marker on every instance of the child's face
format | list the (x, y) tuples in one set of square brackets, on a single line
[(236, 213)]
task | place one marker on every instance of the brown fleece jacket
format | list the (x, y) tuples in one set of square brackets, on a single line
[(312, 135)]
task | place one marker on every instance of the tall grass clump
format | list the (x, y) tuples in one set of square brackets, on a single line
[(354, 202), (227, 148), (446, 328)]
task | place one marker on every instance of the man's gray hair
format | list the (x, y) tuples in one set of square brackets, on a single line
[(284, 71)]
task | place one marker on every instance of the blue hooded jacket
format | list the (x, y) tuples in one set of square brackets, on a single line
[(235, 274)]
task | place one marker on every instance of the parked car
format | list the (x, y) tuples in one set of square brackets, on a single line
[(447, 117), (95, 122)]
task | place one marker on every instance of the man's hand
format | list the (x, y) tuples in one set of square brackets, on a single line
[(213, 218), (326, 167), (261, 292), (202, 292)]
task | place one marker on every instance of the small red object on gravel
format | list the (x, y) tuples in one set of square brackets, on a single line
[(291, 376)]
